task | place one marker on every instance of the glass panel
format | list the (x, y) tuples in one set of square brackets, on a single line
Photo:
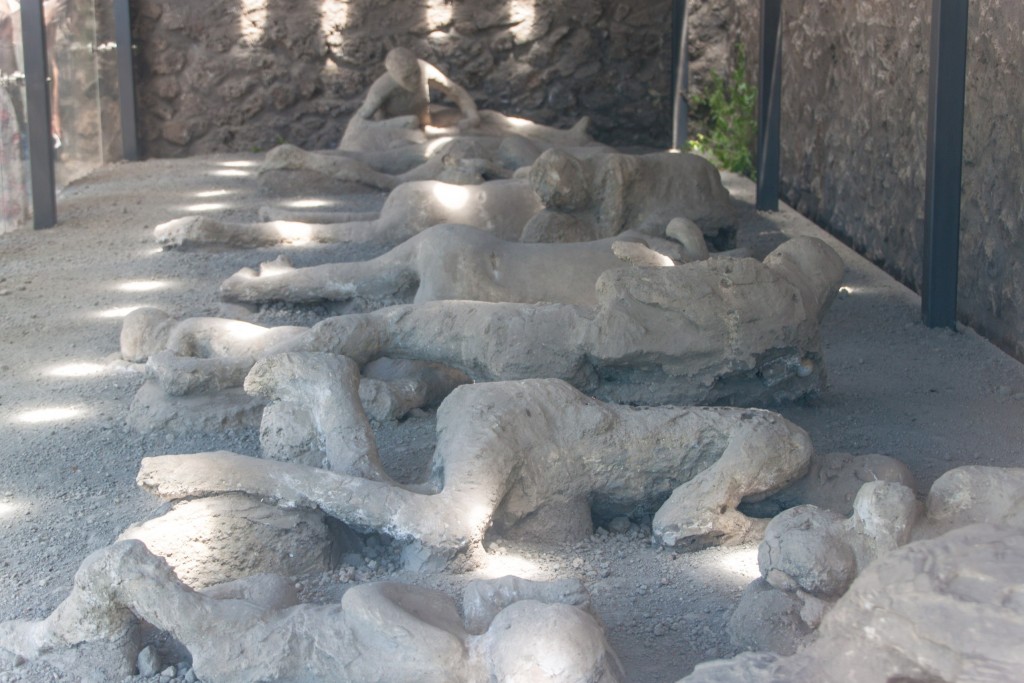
[(106, 72), (74, 87), (15, 199)]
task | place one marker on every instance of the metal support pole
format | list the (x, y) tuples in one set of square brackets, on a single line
[(944, 162), (37, 96), (126, 80), (681, 77), (769, 108)]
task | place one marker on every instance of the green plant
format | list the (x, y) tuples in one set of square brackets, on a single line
[(727, 111)]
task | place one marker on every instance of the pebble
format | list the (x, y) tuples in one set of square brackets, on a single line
[(619, 525), (148, 661)]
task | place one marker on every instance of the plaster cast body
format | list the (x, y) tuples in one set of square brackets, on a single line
[(460, 160), (397, 111), (565, 200), (525, 459), (383, 631), (714, 331), (460, 262)]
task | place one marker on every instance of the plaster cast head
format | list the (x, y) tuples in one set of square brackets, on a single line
[(531, 641), (560, 181), (404, 67), (145, 331)]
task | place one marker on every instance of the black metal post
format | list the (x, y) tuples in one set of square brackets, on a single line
[(769, 109), (681, 75), (126, 80), (944, 162), (37, 96)]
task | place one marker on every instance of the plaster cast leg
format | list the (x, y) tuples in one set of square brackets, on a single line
[(200, 232), (339, 167), (458, 262), (498, 124), (447, 164), (703, 510), (447, 522), (147, 331), (381, 278), (327, 386), (500, 206), (95, 609)]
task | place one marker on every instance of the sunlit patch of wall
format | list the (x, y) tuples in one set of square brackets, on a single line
[(252, 20), (522, 15), (439, 13)]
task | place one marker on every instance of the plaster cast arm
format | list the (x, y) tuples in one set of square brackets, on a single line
[(455, 92)]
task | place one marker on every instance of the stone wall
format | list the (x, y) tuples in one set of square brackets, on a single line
[(854, 121), (239, 75)]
